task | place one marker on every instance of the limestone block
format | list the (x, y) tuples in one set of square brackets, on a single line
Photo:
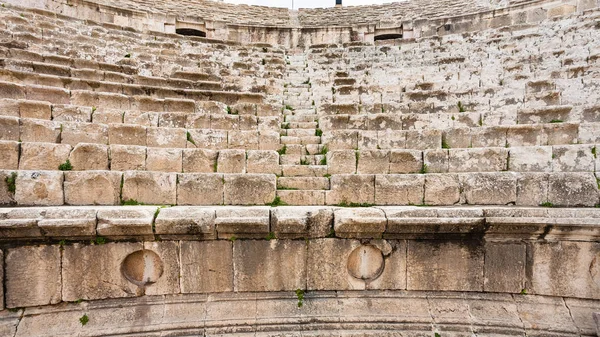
[(504, 267), (441, 189), (566, 133), (359, 222), (231, 161), (199, 160), (489, 136), (530, 159), (127, 134), (392, 139), (477, 160), (367, 140), (33, 276), (71, 113), (541, 314), (373, 162), (6, 197), (200, 189), (166, 137), (572, 189), (457, 137), (340, 139), (163, 160), (127, 157), (92, 188), (206, 266), (150, 187), (243, 139), (329, 261), (341, 161), (35, 130), (207, 139), (259, 161), (269, 140), (447, 266), (74, 133), (302, 197), (303, 183), (489, 188), (249, 189), (532, 189), (33, 109), (589, 133), (192, 222), (122, 222), (573, 158), (301, 222), (525, 135), (273, 265), (563, 268), (89, 157), (406, 161), (436, 161), (429, 139), (242, 222), (116, 268), (349, 189), (68, 222), (9, 128), (42, 188), (225, 122), (9, 107), (9, 152), (399, 189), (43, 156)]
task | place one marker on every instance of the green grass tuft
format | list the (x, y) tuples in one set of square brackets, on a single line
[(424, 169), (270, 236), (98, 241), (300, 296), (556, 121), (277, 202), (11, 182), (281, 151), (189, 138), (318, 132), (66, 166), (461, 107), (84, 319), (546, 204)]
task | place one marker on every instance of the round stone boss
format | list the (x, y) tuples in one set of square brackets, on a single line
[(366, 262), (142, 267)]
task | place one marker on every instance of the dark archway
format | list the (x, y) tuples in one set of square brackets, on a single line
[(388, 37), (190, 32)]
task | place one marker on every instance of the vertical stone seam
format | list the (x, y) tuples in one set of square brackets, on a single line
[(179, 256), (570, 314), (405, 264)]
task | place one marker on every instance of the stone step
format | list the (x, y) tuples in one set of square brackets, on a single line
[(302, 197), (303, 183), (303, 125), (300, 132), (302, 118)]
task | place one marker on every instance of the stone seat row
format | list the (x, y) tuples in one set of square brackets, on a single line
[(86, 156), (493, 136), (36, 130), (63, 87), (294, 222), (28, 188)]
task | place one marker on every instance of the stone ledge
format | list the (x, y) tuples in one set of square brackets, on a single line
[(224, 222), (322, 312)]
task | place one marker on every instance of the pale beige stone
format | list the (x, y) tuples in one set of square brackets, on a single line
[(89, 157), (406, 161), (359, 222), (35, 109), (9, 152), (448, 266), (200, 189), (163, 160), (6, 197), (531, 159), (127, 134), (150, 187), (92, 188), (231, 161), (505, 267), (71, 113), (477, 160), (532, 189), (242, 222), (126, 222), (9, 128), (127, 158), (489, 188), (347, 189), (42, 188), (259, 161), (199, 160), (206, 267), (35, 130), (249, 189), (33, 276), (302, 197), (43, 156), (341, 162), (572, 189), (274, 265), (186, 222), (166, 137), (441, 189), (399, 189), (373, 162), (74, 133), (301, 222)]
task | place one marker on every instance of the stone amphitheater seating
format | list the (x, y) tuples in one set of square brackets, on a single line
[(442, 185)]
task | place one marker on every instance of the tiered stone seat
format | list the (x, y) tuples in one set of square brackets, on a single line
[(442, 185)]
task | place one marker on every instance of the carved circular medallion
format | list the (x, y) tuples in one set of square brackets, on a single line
[(142, 267), (365, 262)]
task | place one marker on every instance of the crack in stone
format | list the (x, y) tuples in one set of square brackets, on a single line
[(19, 322)]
